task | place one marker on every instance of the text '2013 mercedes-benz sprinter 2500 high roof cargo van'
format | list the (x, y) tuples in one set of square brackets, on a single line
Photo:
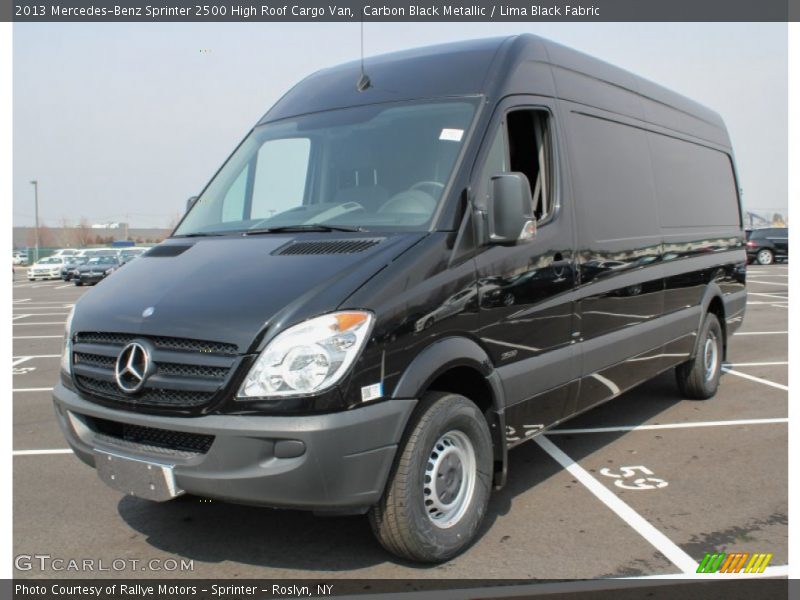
[(400, 275)]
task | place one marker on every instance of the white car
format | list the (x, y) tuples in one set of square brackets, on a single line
[(64, 252), (47, 268), (20, 258)]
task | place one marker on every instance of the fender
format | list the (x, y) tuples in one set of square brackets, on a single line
[(712, 291), (445, 354)]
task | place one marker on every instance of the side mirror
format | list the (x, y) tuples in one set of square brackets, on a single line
[(511, 218), (191, 202)]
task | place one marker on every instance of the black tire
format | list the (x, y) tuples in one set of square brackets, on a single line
[(765, 256), (79, 283), (696, 380), (401, 520)]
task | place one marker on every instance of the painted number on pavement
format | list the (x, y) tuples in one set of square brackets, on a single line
[(630, 478)]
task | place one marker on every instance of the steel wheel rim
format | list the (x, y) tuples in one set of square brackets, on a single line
[(450, 476), (765, 257), (710, 356)]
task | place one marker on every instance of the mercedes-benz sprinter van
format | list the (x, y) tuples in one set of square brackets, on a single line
[(402, 273)]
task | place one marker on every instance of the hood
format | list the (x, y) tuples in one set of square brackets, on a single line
[(227, 289)]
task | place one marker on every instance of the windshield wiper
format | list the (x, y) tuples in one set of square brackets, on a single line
[(198, 234), (304, 227)]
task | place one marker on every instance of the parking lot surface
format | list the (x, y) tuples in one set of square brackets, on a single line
[(644, 485)]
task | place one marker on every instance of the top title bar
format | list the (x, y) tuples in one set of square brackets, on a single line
[(408, 11)]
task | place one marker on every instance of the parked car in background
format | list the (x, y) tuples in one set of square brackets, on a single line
[(71, 265), (90, 252), (128, 254), (64, 252), (95, 270), (20, 258), (47, 268), (767, 245)]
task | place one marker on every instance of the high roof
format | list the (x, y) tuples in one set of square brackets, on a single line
[(497, 67)]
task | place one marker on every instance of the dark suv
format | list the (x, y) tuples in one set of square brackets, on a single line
[(764, 246)]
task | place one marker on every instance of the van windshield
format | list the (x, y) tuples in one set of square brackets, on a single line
[(381, 167)]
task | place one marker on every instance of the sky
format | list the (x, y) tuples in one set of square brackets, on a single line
[(123, 122)]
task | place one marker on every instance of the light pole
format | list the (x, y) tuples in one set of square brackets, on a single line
[(35, 184)]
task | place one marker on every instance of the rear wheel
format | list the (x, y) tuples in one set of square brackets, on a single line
[(698, 379), (765, 257), (439, 488)]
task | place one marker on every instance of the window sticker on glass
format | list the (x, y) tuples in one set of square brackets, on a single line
[(451, 135)]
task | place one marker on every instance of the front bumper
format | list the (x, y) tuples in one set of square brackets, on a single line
[(43, 274), (89, 277), (333, 462)]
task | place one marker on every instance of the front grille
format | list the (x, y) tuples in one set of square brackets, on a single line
[(160, 397), (180, 370), (197, 443), (186, 375), (164, 343)]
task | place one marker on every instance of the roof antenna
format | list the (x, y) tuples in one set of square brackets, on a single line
[(364, 82)]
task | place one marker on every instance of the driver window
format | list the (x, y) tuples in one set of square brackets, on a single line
[(523, 144)]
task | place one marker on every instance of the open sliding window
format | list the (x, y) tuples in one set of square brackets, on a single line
[(530, 152)]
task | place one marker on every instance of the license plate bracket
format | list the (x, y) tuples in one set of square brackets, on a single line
[(149, 480)]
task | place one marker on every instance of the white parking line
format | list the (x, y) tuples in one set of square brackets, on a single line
[(49, 323), (657, 539), (61, 287), (767, 282), (749, 293), (761, 333), (55, 314), (42, 452), (779, 386), (47, 389), (667, 426), (35, 337), (59, 302), (20, 360), (37, 356), (757, 364), (775, 304)]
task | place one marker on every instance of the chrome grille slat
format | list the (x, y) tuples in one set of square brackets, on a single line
[(186, 374), (160, 342)]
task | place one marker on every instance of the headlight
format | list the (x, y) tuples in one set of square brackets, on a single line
[(66, 356), (310, 357)]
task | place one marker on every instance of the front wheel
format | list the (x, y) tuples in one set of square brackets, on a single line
[(765, 257), (698, 379), (439, 488)]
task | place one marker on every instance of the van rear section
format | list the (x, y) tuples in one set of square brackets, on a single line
[(392, 281)]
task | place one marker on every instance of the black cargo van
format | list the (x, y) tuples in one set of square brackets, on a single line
[(401, 274)]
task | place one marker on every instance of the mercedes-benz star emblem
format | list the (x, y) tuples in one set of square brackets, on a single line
[(132, 368)]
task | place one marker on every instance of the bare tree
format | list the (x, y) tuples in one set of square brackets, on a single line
[(83, 233)]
